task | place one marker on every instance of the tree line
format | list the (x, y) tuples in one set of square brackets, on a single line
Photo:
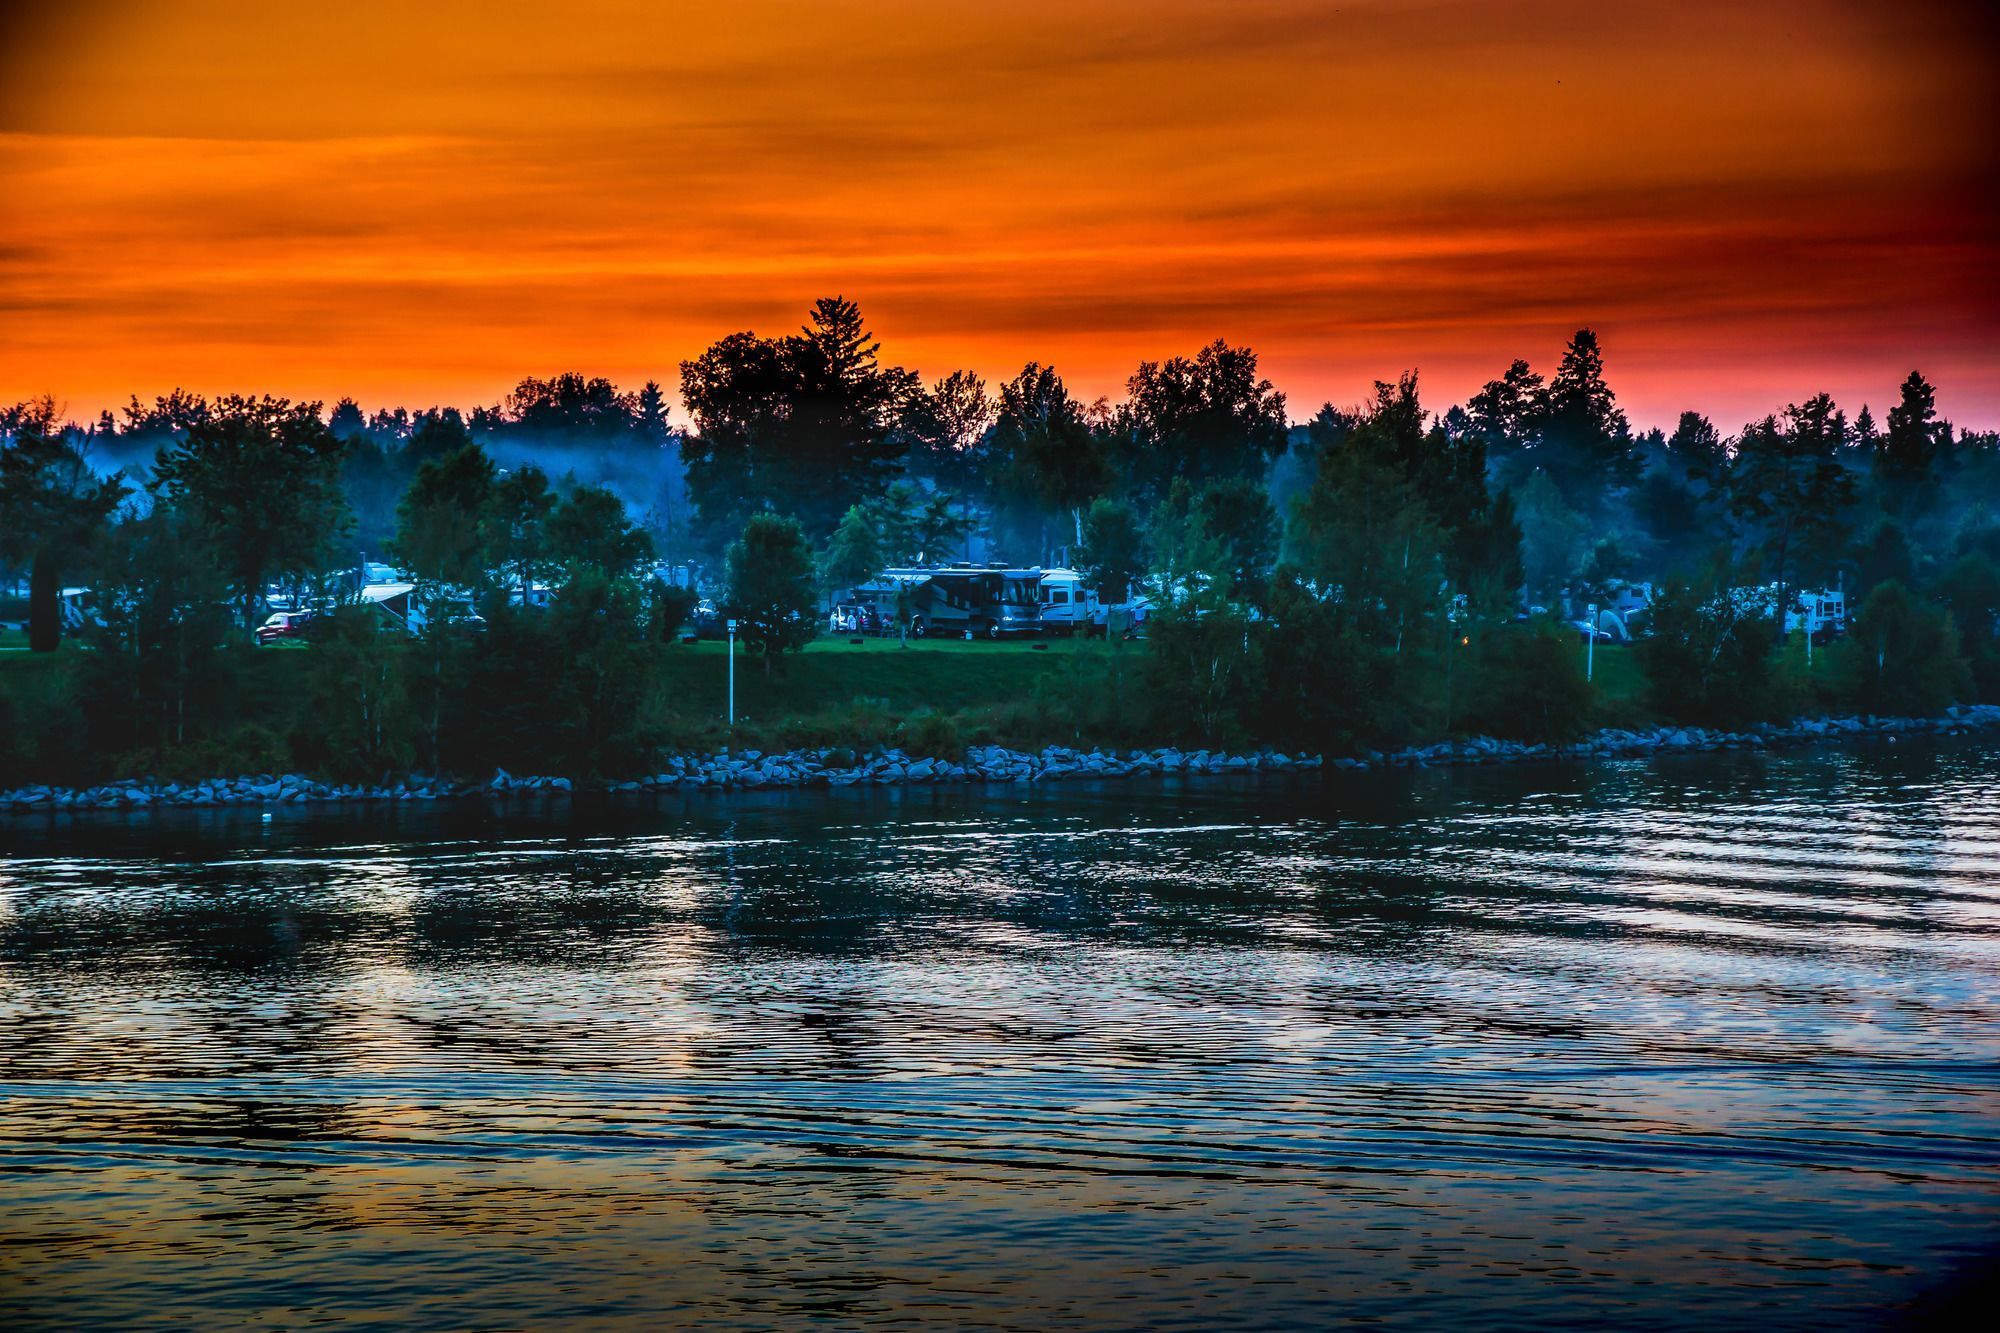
[(1371, 574)]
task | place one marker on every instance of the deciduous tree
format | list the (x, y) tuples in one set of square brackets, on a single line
[(261, 477), (53, 507), (771, 586)]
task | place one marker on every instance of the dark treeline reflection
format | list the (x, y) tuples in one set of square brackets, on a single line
[(1372, 573)]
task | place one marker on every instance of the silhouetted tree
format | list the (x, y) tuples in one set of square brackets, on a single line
[(1789, 481), (947, 425), (590, 530), (1237, 515), (1113, 555), (1047, 462), (346, 421), (441, 535), (650, 415), (53, 507), (261, 477), (571, 406), (1581, 438), (517, 526), (1906, 457), (771, 586), (1684, 496), (1503, 414), (1206, 418), (804, 424)]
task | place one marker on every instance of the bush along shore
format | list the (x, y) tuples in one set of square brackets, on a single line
[(755, 770)]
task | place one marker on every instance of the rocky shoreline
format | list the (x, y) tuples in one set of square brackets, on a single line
[(755, 770)]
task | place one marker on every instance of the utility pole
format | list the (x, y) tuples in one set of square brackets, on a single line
[(732, 674)]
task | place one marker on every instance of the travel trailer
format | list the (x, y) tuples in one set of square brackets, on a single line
[(402, 608), (1068, 606), (1821, 613)]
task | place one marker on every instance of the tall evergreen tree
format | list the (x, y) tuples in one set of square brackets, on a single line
[(1503, 415), (804, 424), (1582, 439), (1789, 482), (1907, 456)]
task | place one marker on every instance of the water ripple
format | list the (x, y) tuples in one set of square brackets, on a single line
[(1709, 1042)]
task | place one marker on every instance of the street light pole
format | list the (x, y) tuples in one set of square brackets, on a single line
[(1590, 643), (732, 673)]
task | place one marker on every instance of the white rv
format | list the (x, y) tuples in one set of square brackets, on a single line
[(1820, 613), (1068, 606)]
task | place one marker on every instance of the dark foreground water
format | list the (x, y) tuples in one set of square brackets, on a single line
[(1709, 1042)]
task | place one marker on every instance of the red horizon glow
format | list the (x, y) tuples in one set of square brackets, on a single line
[(1749, 207)]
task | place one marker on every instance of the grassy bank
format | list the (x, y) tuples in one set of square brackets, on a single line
[(930, 696)]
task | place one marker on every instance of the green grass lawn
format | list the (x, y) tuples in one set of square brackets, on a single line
[(940, 674), (943, 675), (1617, 676)]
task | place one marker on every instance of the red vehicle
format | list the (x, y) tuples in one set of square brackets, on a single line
[(284, 625)]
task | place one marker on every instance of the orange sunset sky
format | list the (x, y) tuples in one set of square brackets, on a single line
[(421, 202)]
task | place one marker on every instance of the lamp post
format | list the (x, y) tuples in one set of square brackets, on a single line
[(732, 673), (1590, 642)]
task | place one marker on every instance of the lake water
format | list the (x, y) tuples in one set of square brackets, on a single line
[(1703, 1042)]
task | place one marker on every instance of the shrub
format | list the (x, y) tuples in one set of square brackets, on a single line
[(1708, 658), (1901, 655), (1970, 589), (246, 748), (360, 723), (935, 735), (41, 729), (1529, 684), (671, 606), (1201, 673)]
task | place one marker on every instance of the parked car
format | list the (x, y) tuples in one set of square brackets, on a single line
[(707, 622), (1584, 630), (854, 618), (293, 625)]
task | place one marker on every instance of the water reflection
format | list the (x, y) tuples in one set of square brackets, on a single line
[(1707, 1041)]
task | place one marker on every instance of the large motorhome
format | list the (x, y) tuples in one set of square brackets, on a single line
[(972, 601), (981, 601)]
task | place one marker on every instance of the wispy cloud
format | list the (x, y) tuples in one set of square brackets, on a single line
[(1751, 202)]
